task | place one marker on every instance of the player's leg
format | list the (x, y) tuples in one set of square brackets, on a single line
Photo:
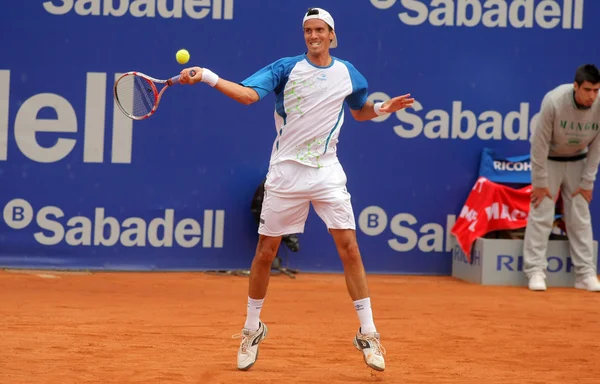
[(539, 227), (254, 330), (260, 272), (280, 215), (347, 247), (367, 338), (579, 229), (332, 203)]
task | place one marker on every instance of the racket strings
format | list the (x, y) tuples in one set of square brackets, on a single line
[(136, 95)]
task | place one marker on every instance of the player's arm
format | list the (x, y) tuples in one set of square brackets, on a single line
[(591, 167), (540, 145), (237, 92), (372, 110), (367, 112)]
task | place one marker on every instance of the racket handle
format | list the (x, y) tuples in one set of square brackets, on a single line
[(175, 79)]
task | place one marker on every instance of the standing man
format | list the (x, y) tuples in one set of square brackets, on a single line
[(311, 90), (565, 152)]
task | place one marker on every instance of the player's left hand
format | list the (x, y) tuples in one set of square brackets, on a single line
[(397, 103), (586, 193)]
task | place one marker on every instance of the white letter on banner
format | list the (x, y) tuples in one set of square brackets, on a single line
[(228, 11), (405, 232), (383, 4), (175, 12), (99, 223), (109, 10), (95, 115), (488, 130), (437, 128), (148, 11), (50, 225), (208, 228), (416, 6), (93, 7), (443, 16), (217, 9), (135, 234), (372, 220), (66, 6), (578, 18), (187, 227), (553, 12), (122, 135), (461, 13), (513, 12), (167, 225), (432, 239), (4, 99), (27, 125), (406, 117), (18, 213), (219, 228), (567, 13), (457, 116), (79, 235), (450, 221), (190, 10), (523, 118), (497, 17)]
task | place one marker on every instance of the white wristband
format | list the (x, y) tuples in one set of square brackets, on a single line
[(209, 77), (377, 109)]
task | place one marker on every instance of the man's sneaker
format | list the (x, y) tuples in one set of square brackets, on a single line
[(537, 282), (248, 352), (589, 283), (371, 348)]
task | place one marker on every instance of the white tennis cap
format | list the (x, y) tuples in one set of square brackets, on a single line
[(321, 14)]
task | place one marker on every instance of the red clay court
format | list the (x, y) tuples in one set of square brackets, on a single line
[(177, 327)]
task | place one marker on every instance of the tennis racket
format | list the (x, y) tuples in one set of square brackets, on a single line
[(137, 95)]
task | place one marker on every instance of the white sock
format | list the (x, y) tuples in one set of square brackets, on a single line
[(365, 315), (253, 313)]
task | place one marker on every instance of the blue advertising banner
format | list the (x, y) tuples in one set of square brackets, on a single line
[(82, 186)]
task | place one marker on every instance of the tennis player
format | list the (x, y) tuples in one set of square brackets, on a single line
[(311, 90)]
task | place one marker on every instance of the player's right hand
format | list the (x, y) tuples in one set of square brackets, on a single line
[(187, 79), (538, 194)]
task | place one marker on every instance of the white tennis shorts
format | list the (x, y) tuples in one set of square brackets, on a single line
[(291, 187)]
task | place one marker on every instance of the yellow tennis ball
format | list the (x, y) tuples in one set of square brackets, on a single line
[(182, 56)]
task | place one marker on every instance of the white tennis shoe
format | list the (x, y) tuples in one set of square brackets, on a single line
[(370, 345), (248, 352)]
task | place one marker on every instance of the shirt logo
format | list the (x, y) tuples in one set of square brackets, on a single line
[(577, 126)]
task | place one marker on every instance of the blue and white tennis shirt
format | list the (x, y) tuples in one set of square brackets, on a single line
[(309, 106)]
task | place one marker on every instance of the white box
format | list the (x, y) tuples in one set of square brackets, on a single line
[(500, 262)]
